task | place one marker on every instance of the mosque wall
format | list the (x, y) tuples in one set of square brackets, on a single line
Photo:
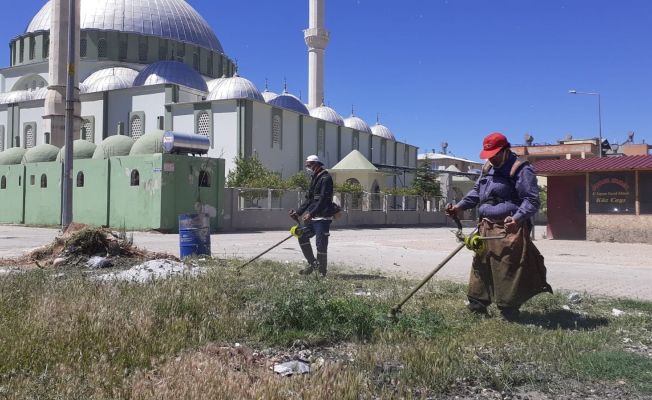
[(43, 193), (365, 144), (90, 197), (95, 108), (375, 149), (346, 141), (309, 137), (391, 152), (12, 193), (291, 140), (152, 104), (31, 115), (225, 132), (330, 156)]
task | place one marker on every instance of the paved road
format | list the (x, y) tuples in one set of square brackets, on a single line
[(614, 269)]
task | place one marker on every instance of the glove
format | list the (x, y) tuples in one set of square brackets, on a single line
[(452, 210), (511, 226)]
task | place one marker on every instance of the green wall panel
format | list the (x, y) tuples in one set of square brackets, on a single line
[(43, 204), (91, 201), (12, 197)]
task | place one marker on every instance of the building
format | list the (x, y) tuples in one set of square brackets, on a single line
[(602, 199), (140, 74)]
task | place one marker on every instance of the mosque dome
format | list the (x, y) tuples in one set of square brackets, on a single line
[(357, 124), (12, 156), (150, 143), (382, 131), (16, 96), (289, 101), (127, 74), (106, 83), (235, 87), (171, 72), (113, 146), (81, 149), (41, 153), (40, 93), (168, 19), (212, 84), (268, 95), (327, 114)]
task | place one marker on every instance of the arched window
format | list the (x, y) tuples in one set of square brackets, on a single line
[(44, 181), (3, 182), (46, 46), (136, 127), (21, 57), (101, 48), (203, 124), (46, 136), (135, 178), (204, 179), (80, 179), (83, 47), (87, 130), (17, 141), (29, 137), (32, 48)]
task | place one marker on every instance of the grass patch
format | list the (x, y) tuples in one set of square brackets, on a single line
[(71, 337)]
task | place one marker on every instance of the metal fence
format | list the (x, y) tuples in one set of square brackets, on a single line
[(279, 199)]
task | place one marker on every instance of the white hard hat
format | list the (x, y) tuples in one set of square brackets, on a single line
[(313, 158)]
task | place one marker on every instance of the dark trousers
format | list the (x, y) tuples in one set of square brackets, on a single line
[(320, 229)]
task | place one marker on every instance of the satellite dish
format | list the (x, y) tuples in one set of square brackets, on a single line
[(529, 139), (630, 137), (444, 146), (568, 137)]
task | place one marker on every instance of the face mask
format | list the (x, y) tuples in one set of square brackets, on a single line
[(309, 171)]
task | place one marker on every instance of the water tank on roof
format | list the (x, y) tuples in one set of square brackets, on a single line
[(185, 143)]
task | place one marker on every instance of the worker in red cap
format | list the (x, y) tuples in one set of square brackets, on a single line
[(511, 271)]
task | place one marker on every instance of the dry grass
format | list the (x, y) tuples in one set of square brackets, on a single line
[(71, 337)]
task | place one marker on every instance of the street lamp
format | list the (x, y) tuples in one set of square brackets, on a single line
[(599, 116)]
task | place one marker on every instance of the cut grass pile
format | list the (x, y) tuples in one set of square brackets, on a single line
[(71, 337)]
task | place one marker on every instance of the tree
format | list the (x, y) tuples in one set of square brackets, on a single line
[(249, 172), (425, 183), (298, 181)]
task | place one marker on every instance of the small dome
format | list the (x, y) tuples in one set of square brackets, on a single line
[(113, 146), (356, 123), (12, 156), (106, 83), (83, 88), (41, 153), (127, 74), (235, 87), (17, 96), (171, 72), (212, 84), (382, 131), (268, 95), (291, 102), (81, 149), (150, 143), (327, 114), (40, 93)]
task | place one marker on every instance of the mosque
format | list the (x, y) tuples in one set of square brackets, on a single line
[(149, 66)]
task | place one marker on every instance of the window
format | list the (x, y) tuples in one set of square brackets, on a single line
[(195, 61), (44, 181), (136, 127), (355, 141), (383, 151), (20, 181), (406, 155), (32, 48), (29, 136), (17, 141), (22, 51), (46, 46), (143, 49), (2, 138), (276, 129), (3, 182), (135, 178), (83, 46), (46, 136), (204, 179), (80, 179), (163, 51), (321, 140), (87, 130), (611, 193), (32, 180), (101, 48), (209, 65), (203, 124), (122, 53)]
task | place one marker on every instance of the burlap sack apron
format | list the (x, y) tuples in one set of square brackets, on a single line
[(511, 271)]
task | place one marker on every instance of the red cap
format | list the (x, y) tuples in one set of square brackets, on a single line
[(492, 144)]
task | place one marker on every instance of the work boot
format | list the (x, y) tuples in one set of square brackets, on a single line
[(477, 307), (306, 249), (309, 269), (322, 261), (510, 314)]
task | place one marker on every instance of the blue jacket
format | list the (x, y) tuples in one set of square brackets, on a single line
[(500, 195)]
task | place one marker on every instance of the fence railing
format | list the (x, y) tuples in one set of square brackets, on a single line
[(279, 199)]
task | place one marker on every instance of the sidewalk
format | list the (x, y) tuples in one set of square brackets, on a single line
[(612, 269)]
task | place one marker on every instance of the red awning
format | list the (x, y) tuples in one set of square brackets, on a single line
[(579, 165)]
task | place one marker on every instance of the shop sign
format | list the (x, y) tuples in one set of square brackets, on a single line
[(612, 193)]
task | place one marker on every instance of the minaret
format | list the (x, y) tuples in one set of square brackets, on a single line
[(316, 37), (55, 100)]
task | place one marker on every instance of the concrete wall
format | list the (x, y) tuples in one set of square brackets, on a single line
[(225, 132), (95, 108), (43, 205), (91, 201), (619, 228), (32, 112), (330, 156), (12, 205)]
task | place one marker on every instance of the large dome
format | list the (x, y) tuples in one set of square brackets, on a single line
[(289, 101), (169, 19), (235, 87), (171, 72)]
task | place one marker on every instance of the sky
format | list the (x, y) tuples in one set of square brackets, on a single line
[(449, 70)]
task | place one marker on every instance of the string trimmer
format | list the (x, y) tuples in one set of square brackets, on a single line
[(473, 242), (295, 232)]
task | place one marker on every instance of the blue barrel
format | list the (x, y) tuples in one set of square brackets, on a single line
[(194, 235)]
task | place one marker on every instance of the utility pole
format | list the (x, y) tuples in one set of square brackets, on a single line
[(66, 212)]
